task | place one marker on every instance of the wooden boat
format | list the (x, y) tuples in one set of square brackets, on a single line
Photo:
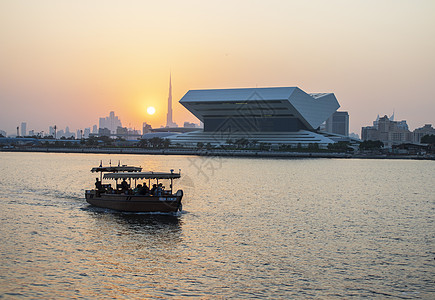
[(123, 198)]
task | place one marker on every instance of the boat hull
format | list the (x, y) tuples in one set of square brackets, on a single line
[(135, 203)]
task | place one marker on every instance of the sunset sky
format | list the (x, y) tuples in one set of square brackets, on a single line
[(70, 62)]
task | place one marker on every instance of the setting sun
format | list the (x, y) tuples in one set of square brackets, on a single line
[(151, 110)]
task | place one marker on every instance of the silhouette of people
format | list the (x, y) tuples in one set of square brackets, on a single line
[(145, 190), (153, 189), (124, 185), (137, 189), (98, 186), (159, 189), (110, 190)]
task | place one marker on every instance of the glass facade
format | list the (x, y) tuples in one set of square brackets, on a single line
[(252, 124)]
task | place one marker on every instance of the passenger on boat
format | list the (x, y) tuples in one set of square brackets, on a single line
[(124, 186), (153, 190), (145, 190), (159, 189), (98, 186), (137, 189), (110, 190)]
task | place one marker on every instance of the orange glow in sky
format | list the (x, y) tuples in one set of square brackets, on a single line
[(70, 62)]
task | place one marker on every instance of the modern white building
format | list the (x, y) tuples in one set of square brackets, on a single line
[(278, 115)]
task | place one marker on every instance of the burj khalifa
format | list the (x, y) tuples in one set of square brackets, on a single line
[(169, 122)]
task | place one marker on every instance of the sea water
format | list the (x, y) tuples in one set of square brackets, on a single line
[(250, 228)]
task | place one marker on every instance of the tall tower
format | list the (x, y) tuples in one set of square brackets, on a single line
[(23, 129), (169, 122)]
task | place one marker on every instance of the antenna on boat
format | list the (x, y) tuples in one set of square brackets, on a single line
[(110, 162), (101, 163), (119, 163)]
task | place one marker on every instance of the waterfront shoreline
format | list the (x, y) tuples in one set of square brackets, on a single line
[(219, 153)]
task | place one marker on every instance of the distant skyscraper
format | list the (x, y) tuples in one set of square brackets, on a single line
[(169, 122), (23, 129), (60, 133), (86, 132), (95, 129), (338, 123), (111, 122), (51, 131)]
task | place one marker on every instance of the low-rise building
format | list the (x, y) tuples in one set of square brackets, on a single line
[(427, 129), (103, 132), (146, 128), (122, 131), (189, 125)]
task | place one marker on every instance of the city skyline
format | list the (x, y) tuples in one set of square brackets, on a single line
[(69, 65), (97, 123)]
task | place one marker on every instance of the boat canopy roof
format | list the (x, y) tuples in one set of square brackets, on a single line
[(117, 169), (142, 175)]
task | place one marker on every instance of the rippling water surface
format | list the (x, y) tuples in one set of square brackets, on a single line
[(250, 228)]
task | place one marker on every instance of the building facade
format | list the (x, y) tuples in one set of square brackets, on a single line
[(104, 132), (86, 132), (23, 129), (281, 115), (146, 128), (387, 131), (338, 123), (422, 131)]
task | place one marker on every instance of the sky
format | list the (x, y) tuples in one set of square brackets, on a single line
[(68, 63)]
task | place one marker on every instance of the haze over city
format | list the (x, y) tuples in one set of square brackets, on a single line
[(69, 63)]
